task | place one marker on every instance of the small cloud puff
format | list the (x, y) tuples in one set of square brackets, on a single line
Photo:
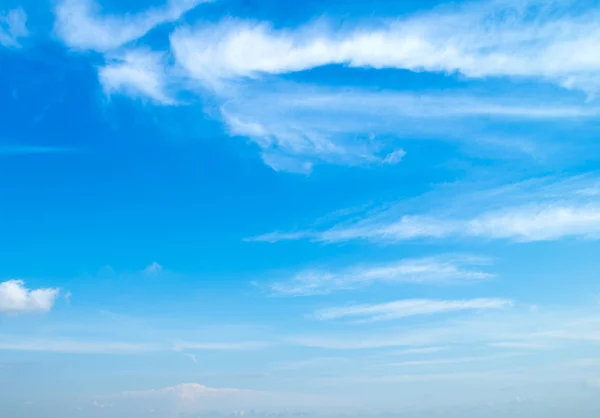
[(16, 299), (13, 26)]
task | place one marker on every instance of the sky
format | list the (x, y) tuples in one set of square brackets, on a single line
[(309, 208)]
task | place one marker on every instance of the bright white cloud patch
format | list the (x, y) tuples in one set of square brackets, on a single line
[(16, 299), (13, 27), (82, 25), (138, 73), (411, 307), (423, 270), (499, 38)]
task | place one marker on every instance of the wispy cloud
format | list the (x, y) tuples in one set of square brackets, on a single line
[(16, 299), (314, 362), (137, 72), (297, 126), (13, 27), (82, 25), (77, 347), (424, 350), (518, 345), (192, 357), (410, 307), (183, 391), (544, 40), (536, 210), (153, 269), (449, 361), (512, 329), (420, 270), (189, 398), (349, 342), (208, 346), (525, 223)]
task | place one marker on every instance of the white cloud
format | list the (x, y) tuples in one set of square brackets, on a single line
[(139, 73), (544, 40), (191, 357), (13, 27), (424, 350), (100, 405), (153, 269), (536, 210), (237, 346), (411, 338), (394, 157), (513, 329), (185, 391), (419, 270), (81, 24), (410, 307), (76, 347), (519, 345), (524, 224), (448, 361), (193, 398), (297, 126), (16, 299)]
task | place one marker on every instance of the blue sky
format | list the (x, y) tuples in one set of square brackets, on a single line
[(339, 208)]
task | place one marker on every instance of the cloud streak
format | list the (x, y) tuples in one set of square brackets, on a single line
[(505, 329), (296, 126), (78, 347), (207, 346), (536, 210), (13, 27), (82, 25), (71, 346), (420, 270), (408, 308), (189, 398), (449, 361)]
